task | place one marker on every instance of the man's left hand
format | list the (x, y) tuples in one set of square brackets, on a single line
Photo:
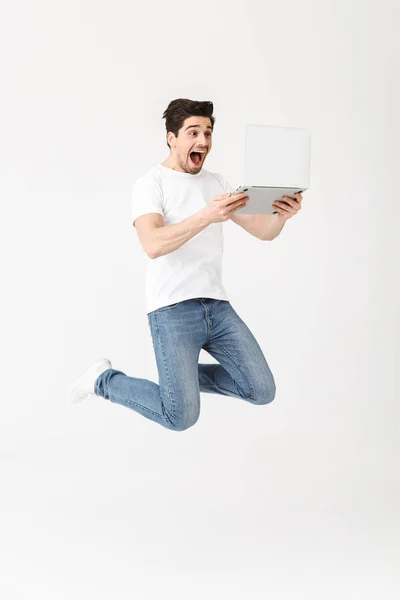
[(286, 211)]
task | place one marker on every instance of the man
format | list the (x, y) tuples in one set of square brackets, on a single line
[(178, 208)]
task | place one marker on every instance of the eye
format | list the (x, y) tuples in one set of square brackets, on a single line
[(208, 133)]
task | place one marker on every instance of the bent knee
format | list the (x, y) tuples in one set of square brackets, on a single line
[(264, 396), (183, 425), (184, 421)]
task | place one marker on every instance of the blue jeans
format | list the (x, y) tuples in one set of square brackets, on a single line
[(179, 331)]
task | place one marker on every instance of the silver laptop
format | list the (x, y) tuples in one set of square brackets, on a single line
[(277, 164)]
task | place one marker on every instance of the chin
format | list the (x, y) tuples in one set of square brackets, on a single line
[(195, 168)]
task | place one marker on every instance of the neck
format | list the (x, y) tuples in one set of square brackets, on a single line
[(171, 163)]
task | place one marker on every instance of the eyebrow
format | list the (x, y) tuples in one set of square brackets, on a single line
[(208, 127)]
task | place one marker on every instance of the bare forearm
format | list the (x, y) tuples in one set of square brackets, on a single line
[(170, 237), (270, 225)]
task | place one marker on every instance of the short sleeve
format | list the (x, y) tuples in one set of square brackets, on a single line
[(146, 198)]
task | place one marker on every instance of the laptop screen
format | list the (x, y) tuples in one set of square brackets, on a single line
[(277, 156)]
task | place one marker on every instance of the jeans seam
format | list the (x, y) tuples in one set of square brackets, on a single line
[(210, 381), (212, 385), (166, 370), (124, 401), (238, 367)]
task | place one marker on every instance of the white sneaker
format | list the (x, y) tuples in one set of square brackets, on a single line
[(84, 385)]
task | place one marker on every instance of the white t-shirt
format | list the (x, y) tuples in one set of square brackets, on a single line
[(194, 270)]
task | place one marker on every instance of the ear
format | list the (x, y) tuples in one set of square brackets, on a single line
[(170, 137)]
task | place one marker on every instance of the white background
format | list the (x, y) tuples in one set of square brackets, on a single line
[(296, 499)]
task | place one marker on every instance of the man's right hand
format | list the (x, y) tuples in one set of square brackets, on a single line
[(220, 208)]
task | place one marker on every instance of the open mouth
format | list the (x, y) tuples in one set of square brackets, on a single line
[(197, 157)]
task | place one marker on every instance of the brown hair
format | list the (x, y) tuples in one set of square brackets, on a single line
[(180, 109)]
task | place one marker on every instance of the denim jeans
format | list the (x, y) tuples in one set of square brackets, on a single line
[(179, 331)]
